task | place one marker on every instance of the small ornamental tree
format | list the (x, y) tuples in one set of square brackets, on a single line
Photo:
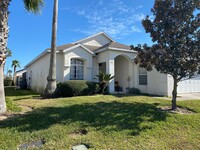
[(104, 80), (175, 31)]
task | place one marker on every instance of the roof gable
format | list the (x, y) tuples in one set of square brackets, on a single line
[(93, 44), (115, 46), (98, 40), (78, 45)]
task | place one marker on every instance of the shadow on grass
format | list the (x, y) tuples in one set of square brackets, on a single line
[(112, 116), (29, 97), (132, 95), (11, 91)]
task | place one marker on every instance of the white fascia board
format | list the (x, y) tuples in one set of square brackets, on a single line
[(38, 57), (101, 50), (78, 45), (20, 71), (121, 49), (91, 52), (115, 49), (94, 36)]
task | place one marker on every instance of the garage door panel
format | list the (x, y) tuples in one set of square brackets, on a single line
[(189, 86)]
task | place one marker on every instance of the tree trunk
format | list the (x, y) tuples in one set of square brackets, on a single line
[(14, 75), (51, 79), (3, 47), (174, 93), (2, 92), (103, 87)]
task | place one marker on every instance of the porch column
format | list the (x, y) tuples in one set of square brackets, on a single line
[(131, 76), (136, 76), (110, 69)]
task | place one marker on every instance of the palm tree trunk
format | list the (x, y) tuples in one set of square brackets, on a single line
[(2, 92), (14, 75), (174, 93), (51, 79), (3, 47)]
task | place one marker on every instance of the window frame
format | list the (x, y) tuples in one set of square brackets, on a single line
[(76, 69), (143, 80)]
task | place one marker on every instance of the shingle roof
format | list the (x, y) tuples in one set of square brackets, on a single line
[(66, 46), (118, 45), (62, 47), (94, 48), (112, 44)]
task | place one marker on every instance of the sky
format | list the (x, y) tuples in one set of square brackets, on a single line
[(30, 34)]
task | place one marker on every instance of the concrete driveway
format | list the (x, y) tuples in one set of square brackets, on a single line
[(189, 96), (182, 97)]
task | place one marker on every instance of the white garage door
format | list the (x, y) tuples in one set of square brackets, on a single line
[(189, 86)]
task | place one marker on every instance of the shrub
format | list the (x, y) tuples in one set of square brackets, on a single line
[(93, 88), (77, 88), (8, 81), (134, 91)]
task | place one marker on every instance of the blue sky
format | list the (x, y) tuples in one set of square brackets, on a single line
[(31, 34)]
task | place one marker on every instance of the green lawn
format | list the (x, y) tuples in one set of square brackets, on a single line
[(112, 122)]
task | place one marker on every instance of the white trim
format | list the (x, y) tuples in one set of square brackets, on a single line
[(121, 49), (115, 49), (94, 36), (78, 45), (67, 66), (38, 57), (22, 70), (77, 66), (101, 50)]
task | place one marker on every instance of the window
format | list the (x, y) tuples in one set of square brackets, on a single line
[(142, 76), (76, 69)]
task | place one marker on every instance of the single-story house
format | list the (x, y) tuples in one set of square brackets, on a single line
[(20, 78), (84, 59)]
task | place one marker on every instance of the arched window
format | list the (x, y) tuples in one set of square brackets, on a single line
[(76, 69)]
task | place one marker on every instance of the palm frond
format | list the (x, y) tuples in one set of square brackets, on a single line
[(33, 5), (15, 63)]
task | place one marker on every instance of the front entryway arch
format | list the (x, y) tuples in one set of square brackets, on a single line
[(123, 75), (110, 63)]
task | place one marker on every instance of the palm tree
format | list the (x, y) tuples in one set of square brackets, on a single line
[(51, 79), (30, 5), (15, 64), (9, 73), (104, 80), (8, 53)]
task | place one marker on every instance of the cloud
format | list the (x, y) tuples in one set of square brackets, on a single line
[(139, 17), (151, 17), (139, 7), (113, 17)]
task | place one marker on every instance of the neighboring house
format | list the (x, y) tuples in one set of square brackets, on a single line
[(83, 59), (21, 78)]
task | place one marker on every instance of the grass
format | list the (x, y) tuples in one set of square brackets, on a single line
[(112, 122), (13, 95)]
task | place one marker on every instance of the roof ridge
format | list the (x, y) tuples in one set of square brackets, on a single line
[(93, 36)]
